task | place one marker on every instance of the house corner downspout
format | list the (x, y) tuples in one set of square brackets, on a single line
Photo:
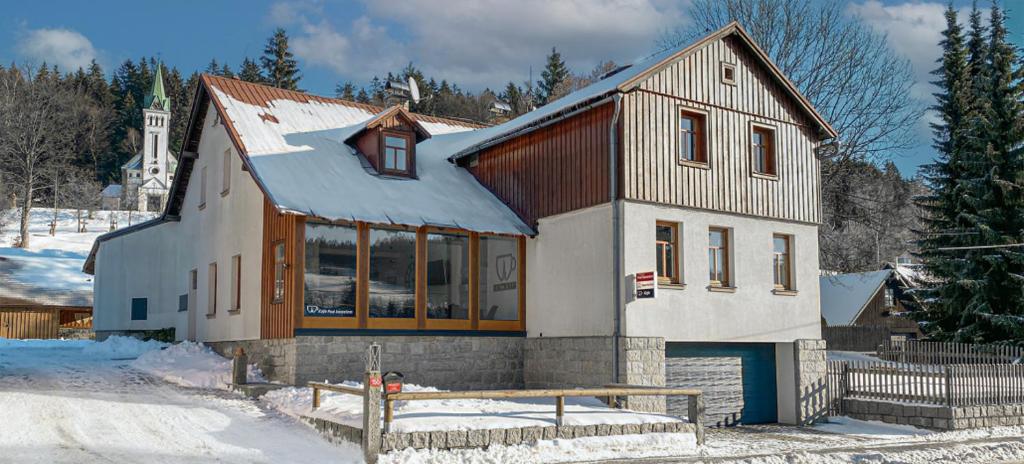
[(616, 232)]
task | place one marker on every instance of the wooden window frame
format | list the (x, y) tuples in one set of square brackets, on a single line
[(726, 264), (236, 284), (771, 152), (211, 296), (702, 150), (363, 321), (276, 298), (410, 152), (725, 68), (357, 321), (449, 324), (419, 311), (888, 297), (788, 285), (226, 174), (676, 278)]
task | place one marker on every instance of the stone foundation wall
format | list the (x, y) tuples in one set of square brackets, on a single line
[(447, 362), (811, 371), (935, 416), (275, 357), (642, 362)]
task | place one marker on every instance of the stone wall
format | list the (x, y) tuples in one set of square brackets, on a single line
[(935, 416), (811, 371), (642, 362), (275, 357), (566, 362), (448, 362)]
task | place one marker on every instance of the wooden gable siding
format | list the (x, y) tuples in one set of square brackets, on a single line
[(29, 322), (874, 313), (277, 320), (555, 169), (650, 139)]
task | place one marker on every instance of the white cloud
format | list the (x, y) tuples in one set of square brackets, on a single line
[(480, 43), (913, 30), (66, 48)]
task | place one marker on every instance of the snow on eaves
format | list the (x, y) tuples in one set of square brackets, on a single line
[(843, 295), (296, 152)]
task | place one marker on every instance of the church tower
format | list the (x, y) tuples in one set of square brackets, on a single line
[(156, 119)]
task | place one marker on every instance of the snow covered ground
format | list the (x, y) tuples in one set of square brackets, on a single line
[(82, 401)]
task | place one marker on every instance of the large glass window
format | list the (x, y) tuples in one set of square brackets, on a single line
[(499, 279), (330, 277), (392, 273), (447, 276)]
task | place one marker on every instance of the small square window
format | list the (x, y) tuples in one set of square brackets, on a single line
[(728, 73)]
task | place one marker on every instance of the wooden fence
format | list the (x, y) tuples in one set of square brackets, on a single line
[(925, 352), (854, 337), (951, 385)]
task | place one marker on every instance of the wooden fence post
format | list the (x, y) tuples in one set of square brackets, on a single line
[(239, 367), (695, 413)]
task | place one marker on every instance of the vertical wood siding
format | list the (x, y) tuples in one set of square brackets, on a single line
[(650, 140), (559, 168), (277, 320), (29, 323)]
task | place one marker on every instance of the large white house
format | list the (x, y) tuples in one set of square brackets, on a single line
[(302, 228)]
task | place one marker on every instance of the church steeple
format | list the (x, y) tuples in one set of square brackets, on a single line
[(157, 96)]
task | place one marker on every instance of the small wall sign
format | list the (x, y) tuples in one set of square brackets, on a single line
[(646, 285)]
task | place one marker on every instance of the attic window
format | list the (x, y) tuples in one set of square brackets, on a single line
[(396, 151), (728, 73)]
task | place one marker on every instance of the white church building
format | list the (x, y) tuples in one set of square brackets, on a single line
[(147, 176)]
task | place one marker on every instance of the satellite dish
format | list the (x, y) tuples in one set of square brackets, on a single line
[(414, 90)]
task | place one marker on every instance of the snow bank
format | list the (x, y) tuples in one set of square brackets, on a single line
[(191, 364), (117, 347), (847, 426)]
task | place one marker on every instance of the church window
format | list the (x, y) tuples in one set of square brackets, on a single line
[(156, 138)]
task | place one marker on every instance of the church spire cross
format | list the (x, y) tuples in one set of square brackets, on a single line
[(157, 98)]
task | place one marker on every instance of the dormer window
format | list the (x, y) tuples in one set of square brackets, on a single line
[(396, 151), (388, 141)]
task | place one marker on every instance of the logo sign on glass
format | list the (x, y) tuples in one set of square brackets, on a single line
[(317, 311), (506, 267), (646, 285)]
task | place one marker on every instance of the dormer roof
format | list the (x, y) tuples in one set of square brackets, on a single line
[(380, 119)]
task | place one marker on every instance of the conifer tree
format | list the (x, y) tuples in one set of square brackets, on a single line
[(279, 65), (250, 72), (553, 78), (346, 91), (944, 226)]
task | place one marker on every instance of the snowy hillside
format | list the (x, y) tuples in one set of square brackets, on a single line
[(51, 267)]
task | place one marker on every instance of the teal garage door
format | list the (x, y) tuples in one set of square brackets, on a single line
[(738, 380)]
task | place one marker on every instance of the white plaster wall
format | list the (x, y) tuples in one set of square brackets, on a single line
[(751, 314), (139, 265), (155, 262), (229, 225), (785, 381), (569, 275)]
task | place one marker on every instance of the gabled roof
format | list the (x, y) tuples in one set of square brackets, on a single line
[(844, 296), (628, 79), (112, 191), (396, 111), (292, 144)]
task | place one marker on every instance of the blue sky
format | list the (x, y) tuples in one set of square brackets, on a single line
[(477, 43)]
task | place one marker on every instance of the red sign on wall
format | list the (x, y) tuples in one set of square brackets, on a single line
[(646, 285), (375, 381)]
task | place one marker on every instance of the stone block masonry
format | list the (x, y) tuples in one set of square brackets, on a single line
[(811, 371), (935, 417)]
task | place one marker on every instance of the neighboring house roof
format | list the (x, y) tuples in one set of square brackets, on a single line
[(292, 144), (112, 191), (629, 78), (43, 278), (134, 163), (844, 296)]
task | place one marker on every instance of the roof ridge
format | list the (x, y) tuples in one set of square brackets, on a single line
[(269, 91)]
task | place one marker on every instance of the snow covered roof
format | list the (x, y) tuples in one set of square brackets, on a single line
[(134, 163), (45, 278), (843, 296), (294, 146), (626, 79), (112, 191)]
